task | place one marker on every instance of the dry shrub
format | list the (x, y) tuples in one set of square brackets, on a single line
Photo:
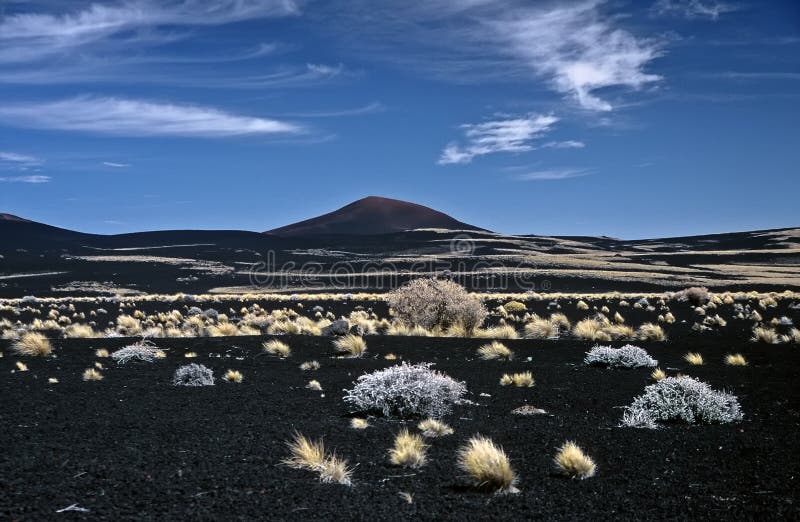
[(233, 376), (433, 303), (693, 358), (651, 332), (520, 380), (32, 344), (495, 351), (350, 345), (433, 428), (539, 328), (276, 347), (92, 374), (80, 331), (311, 456), (762, 334), (487, 465), (409, 450), (735, 359), (572, 462)]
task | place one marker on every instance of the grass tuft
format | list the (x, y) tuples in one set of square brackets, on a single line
[(357, 423), (495, 351), (92, 374), (32, 344), (311, 455), (488, 465), (521, 380), (409, 450), (573, 462), (658, 374), (433, 428), (693, 358), (309, 366), (350, 345), (276, 347), (233, 376), (735, 359)]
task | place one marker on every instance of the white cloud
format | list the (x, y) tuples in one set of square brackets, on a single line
[(567, 144), (31, 35), (711, 9), (116, 165), (130, 117), (502, 135), (26, 179), (19, 159), (552, 174)]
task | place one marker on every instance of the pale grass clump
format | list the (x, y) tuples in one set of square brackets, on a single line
[(314, 385), (223, 330), (128, 326), (309, 366), (32, 344), (668, 318), (503, 331), (735, 359), (276, 347), (693, 358), (651, 332), (619, 331), (539, 328), (311, 456), (21, 366), (618, 318), (434, 428), (233, 376), (390, 357), (573, 462), (190, 355), (80, 331), (515, 307), (762, 334), (590, 330), (495, 351), (350, 345), (487, 465), (581, 305), (101, 353), (520, 380), (658, 374), (401, 329), (357, 423), (91, 374), (560, 320), (409, 450), (794, 335)]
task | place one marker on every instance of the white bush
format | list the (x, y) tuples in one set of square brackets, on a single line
[(682, 399), (628, 356), (193, 375), (141, 352), (406, 390), (432, 302)]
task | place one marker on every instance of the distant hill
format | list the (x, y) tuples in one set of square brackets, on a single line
[(373, 215)]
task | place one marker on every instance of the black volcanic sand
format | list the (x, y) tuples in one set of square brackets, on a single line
[(132, 446)]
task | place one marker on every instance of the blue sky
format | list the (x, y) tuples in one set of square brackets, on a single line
[(629, 119)]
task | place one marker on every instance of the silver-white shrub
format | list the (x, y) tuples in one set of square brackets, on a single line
[(406, 390), (140, 352), (681, 399), (430, 302), (193, 375), (628, 356)]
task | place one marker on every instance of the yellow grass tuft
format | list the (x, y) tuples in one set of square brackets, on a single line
[(311, 456), (433, 428), (581, 305), (21, 366), (276, 347), (390, 357), (32, 344), (357, 423), (495, 351), (590, 330), (309, 366), (190, 355), (735, 359), (409, 450), (794, 335), (521, 380), (572, 462), (314, 385), (350, 345), (618, 318), (233, 376), (52, 380), (560, 320), (92, 374), (504, 331), (658, 374), (488, 465), (223, 330), (101, 353), (763, 334), (693, 358), (539, 328), (651, 332), (80, 331), (515, 307)]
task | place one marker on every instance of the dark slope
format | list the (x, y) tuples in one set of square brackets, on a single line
[(373, 215)]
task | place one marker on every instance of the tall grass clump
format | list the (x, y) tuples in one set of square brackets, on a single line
[(434, 303)]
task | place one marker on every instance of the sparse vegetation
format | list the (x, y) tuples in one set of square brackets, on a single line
[(409, 450), (572, 462), (32, 344), (433, 303), (350, 345), (311, 456), (495, 351), (651, 332), (487, 465), (434, 428), (693, 358), (735, 359), (233, 376), (276, 347), (91, 374), (309, 366), (357, 423), (520, 380)]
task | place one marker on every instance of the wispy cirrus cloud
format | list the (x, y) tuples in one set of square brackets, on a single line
[(552, 174), (499, 135), (25, 179), (115, 165), (709, 9), (132, 117), (567, 144), (27, 36), (19, 160)]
